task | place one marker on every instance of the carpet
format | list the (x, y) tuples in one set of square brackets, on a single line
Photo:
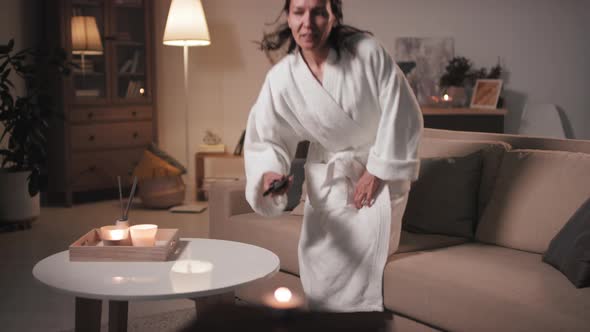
[(162, 322)]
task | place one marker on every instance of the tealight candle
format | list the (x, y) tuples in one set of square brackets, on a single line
[(143, 235), (113, 235), (283, 298)]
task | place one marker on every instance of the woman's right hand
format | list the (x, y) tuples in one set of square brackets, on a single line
[(269, 177)]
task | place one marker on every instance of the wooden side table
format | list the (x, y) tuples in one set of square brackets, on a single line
[(200, 170), (465, 119)]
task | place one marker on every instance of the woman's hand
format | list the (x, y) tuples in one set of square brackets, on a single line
[(269, 177), (364, 192)]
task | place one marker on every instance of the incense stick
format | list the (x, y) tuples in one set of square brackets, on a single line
[(121, 197), (130, 197)]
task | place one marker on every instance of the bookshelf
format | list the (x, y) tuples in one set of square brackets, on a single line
[(108, 102)]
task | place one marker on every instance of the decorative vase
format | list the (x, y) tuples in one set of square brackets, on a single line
[(16, 205)]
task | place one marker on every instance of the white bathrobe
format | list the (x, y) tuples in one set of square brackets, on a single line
[(362, 115)]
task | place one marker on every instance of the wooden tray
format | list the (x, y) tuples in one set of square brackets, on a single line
[(89, 248)]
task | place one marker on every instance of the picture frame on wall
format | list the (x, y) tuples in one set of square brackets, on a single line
[(486, 93)]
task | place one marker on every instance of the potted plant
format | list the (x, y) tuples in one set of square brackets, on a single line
[(453, 81), (460, 76), (24, 118)]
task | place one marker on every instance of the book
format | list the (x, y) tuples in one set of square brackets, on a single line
[(135, 62), (212, 148), (126, 67)]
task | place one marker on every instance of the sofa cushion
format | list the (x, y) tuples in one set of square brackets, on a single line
[(279, 235), (444, 198), (493, 152), (477, 287), (536, 193), (415, 242), (569, 251)]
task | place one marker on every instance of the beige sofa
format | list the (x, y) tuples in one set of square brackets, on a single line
[(494, 280)]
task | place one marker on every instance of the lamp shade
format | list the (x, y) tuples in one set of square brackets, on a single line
[(85, 36), (186, 24)]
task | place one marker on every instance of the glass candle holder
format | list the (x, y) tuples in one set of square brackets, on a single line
[(113, 235), (143, 235)]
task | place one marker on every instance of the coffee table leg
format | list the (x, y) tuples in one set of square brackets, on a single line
[(118, 311), (202, 304), (88, 312)]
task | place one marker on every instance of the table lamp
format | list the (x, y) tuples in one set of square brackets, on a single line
[(186, 26), (85, 37)]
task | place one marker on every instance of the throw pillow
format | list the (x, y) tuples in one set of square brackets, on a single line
[(569, 251), (444, 198)]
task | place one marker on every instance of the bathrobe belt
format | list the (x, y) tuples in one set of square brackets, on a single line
[(331, 185)]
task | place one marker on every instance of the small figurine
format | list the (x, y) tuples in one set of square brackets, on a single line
[(210, 138)]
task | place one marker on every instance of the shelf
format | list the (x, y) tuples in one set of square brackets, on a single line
[(130, 74), (79, 73), (129, 43), (450, 111), (82, 3)]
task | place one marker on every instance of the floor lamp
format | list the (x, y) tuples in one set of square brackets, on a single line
[(186, 26)]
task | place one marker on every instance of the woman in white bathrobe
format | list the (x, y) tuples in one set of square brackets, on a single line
[(338, 88)]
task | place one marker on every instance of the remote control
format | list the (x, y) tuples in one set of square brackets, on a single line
[(276, 186)]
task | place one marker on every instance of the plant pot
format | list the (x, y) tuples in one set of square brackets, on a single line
[(458, 96), (16, 205)]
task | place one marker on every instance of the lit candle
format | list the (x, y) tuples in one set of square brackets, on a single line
[(446, 97), (113, 233), (143, 235), (283, 298), (283, 294)]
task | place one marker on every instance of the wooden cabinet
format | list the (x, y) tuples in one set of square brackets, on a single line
[(108, 101), (464, 119)]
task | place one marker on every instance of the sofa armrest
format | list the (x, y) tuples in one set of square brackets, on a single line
[(226, 199)]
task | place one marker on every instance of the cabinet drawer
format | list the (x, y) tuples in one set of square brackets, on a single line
[(111, 114), (99, 170), (112, 135)]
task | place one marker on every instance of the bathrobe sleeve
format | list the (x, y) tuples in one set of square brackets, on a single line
[(269, 146), (394, 155)]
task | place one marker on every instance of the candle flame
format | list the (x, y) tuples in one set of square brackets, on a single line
[(446, 97), (283, 294), (117, 234)]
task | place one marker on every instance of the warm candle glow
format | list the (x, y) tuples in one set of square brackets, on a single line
[(446, 97), (142, 91), (283, 294), (113, 233), (118, 234)]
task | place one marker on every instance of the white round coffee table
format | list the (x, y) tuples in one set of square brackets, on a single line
[(207, 271)]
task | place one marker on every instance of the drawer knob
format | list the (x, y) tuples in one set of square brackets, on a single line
[(92, 168), (91, 138), (135, 135), (90, 115), (134, 113)]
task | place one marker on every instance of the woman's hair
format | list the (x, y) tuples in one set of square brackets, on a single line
[(338, 39)]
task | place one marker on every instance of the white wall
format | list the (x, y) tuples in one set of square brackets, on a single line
[(542, 44)]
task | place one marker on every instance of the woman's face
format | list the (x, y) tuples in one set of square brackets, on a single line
[(311, 22)]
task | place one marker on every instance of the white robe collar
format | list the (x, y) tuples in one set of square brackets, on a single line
[(325, 118)]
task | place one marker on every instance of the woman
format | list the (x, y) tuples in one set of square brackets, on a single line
[(339, 89)]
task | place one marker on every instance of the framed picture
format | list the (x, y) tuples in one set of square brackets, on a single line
[(486, 94)]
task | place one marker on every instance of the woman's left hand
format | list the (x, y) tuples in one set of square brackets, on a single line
[(366, 187)]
